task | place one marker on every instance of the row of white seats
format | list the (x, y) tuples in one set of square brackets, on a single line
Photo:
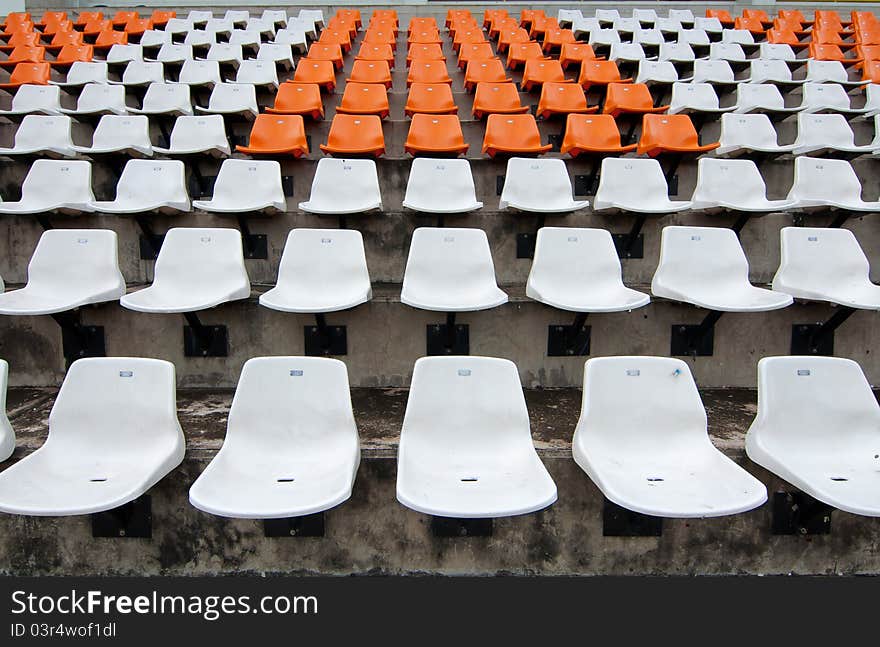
[(292, 445), (227, 53), (732, 40), (447, 270), (721, 72), (644, 16), (191, 72)]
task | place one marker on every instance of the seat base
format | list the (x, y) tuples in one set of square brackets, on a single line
[(797, 513), (618, 521), (324, 341), (205, 341), (454, 527), (309, 525), (133, 520), (569, 340), (448, 339)]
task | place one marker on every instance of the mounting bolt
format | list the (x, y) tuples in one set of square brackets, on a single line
[(293, 532), (122, 532)]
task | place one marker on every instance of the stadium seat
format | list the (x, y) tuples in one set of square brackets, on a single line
[(538, 71), (277, 53), (24, 54), (816, 427), (722, 15), (443, 469), (427, 51), (320, 72), (298, 99), (257, 73), (501, 98), (508, 37), (244, 186), (174, 53), (364, 99), (483, 71), (777, 52), (706, 267), (97, 99), (696, 98), (743, 134), (819, 264), (730, 52), (827, 97), (629, 98), (166, 99), (627, 53), (225, 54), (450, 270), (82, 72), (369, 72), (773, 72), (197, 269), (538, 185), (592, 135), (94, 459), (680, 53), (714, 72), (820, 135), (326, 52), (142, 73), (656, 73), (562, 99), (828, 72), (147, 186), (321, 271), (648, 409), (603, 39), (120, 135), (238, 99), (599, 73), (512, 135), (634, 185), (355, 135), (831, 52), (380, 52), (291, 445), (339, 37), (35, 99), (662, 134), (201, 39), (823, 184), (201, 134), (435, 135), (577, 269), (200, 73), (54, 186), (7, 435), (441, 186), (517, 54), (343, 186), (277, 135), (762, 98), (45, 136), (476, 52), (294, 38), (122, 54), (71, 54), (431, 99), (742, 37), (69, 268), (575, 53)]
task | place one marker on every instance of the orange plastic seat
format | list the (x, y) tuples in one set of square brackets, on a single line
[(85, 17), (370, 72), (24, 54), (526, 16), (435, 135), (431, 99), (519, 53), (792, 15), (98, 27), (422, 22), (751, 24), (629, 98), (462, 24), (757, 14), (540, 27), (510, 36), (28, 73), (599, 73), (794, 26), (160, 18), (592, 135), (425, 36), (783, 37), (277, 135), (467, 36), (475, 52), (868, 52), (122, 17), (538, 72), (54, 28), (492, 14), (828, 15), (453, 15), (364, 99), (425, 71), (137, 26), (871, 71), (577, 53), (353, 15), (343, 23), (500, 98), (385, 14), (22, 39), (556, 37), (321, 72), (824, 36), (380, 37), (383, 24), (487, 71), (831, 53), (298, 99), (562, 99), (428, 51), (501, 24), (723, 16), (70, 54), (326, 52), (17, 18), (376, 52), (513, 135), (355, 135), (107, 39), (51, 17), (869, 36), (339, 37), (64, 38), (670, 134)]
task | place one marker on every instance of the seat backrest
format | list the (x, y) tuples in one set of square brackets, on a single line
[(344, 183), (144, 72), (259, 178), (700, 256), (825, 95), (145, 180), (100, 96), (764, 70), (323, 257), (447, 181), (76, 257), (82, 72), (42, 130), (776, 51), (820, 260), (825, 179), (193, 132), (200, 72), (575, 257), (676, 52), (201, 256), (656, 71), (37, 97), (765, 95), (826, 71), (446, 258), (696, 96), (749, 130), (67, 181), (119, 131), (641, 179), (738, 36), (825, 129), (529, 177), (706, 70), (164, 96), (121, 53), (253, 71), (727, 52), (670, 130), (233, 96)]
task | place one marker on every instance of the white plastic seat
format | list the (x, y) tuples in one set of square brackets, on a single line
[(265, 28), (741, 37), (176, 26), (200, 38), (603, 38), (821, 134), (772, 71), (709, 25), (152, 38), (205, 73), (695, 98), (277, 53), (626, 25), (828, 183), (193, 134), (321, 270), (578, 270), (817, 427), (35, 99), (778, 52), (828, 72), (149, 185), (635, 185), (656, 73), (731, 52), (626, 52), (196, 269), (644, 16), (44, 135), (825, 265), (827, 97), (763, 98), (197, 17), (694, 37), (291, 446), (142, 73), (244, 186), (683, 16), (165, 99), (583, 26), (274, 16), (706, 267), (343, 186), (441, 186), (676, 53), (642, 438), (225, 53), (50, 186), (99, 99), (236, 16), (120, 134), (7, 435), (450, 270), (245, 38), (741, 134), (538, 185), (175, 53), (466, 448), (233, 99), (262, 73), (668, 25), (733, 185), (292, 37), (651, 38), (96, 457), (607, 15), (82, 72), (314, 16), (219, 26), (69, 268), (121, 54), (715, 72), (565, 17)]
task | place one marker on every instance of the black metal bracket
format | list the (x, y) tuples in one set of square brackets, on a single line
[(673, 162), (322, 340), (150, 242), (797, 513), (499, 184), (818, 339), (618, 521), (695, 340), (254, 246), (525, 242), (632, 243), (555, 141), (588, 184), (77, 340), (453, 527), (287, 185), (310, 525), (449, 338), (200, 340), (132, 520), (570, 340)]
